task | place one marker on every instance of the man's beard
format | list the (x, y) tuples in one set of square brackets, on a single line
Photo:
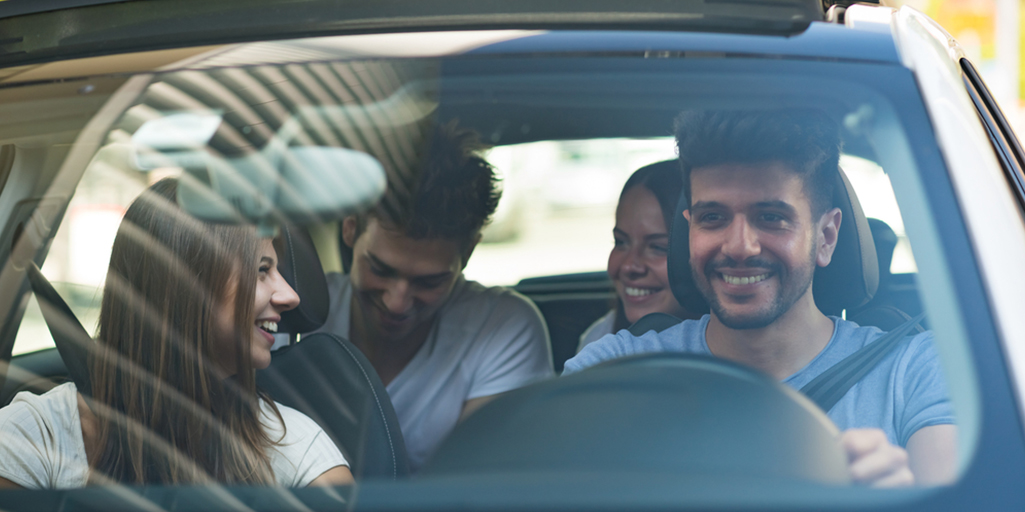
[(792, 286)]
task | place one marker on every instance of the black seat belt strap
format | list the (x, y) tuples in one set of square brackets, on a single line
[(72, 340), (829, 387), (657, 322)]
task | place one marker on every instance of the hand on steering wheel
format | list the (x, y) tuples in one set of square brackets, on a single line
[(874, 461)]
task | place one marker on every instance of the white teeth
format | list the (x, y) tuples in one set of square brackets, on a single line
[(637, 292), (268, 326), (744, 280)]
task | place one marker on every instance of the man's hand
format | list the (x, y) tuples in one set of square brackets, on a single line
[(873, 461)]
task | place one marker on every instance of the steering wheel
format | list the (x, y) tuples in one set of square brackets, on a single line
[(668, 413)]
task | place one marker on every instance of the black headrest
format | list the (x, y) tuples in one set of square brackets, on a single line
[(849, 281), (299, 264), (885, 241)]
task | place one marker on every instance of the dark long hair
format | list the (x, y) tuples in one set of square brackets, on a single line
[(167, 413), (665, 181)]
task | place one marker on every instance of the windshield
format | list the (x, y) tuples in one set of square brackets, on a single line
[(485, 224)]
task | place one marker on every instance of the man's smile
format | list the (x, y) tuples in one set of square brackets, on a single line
[(742, 280)]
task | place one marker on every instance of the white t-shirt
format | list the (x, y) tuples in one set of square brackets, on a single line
[(41, 443), (599, 328), (484, 341)]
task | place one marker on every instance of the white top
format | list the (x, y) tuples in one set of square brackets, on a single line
[(485, 341), (599, 328), (41, 443)]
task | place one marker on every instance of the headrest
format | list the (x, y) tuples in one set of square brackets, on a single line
[(886, 241), (849, 281), (299, 264)]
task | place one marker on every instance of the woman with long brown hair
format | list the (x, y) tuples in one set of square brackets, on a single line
[(187, 317)]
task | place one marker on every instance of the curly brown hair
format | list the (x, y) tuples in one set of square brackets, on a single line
[(808, 141), (455, 192)]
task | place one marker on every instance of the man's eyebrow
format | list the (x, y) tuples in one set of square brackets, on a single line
[(706, 204), (384, 267), (440, 275), (380, 264), (657, 236), (776, 205)]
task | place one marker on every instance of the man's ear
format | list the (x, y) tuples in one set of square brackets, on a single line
[(469, 249), (827, 235), (686, 215), (349, 227)]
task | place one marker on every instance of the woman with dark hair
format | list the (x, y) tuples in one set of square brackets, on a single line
[(638, 265), (187, 317)]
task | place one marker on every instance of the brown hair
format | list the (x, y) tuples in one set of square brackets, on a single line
[(808, 141), (167, 413), (455, 194)]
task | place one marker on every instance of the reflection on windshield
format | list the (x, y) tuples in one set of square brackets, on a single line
[(417, 292)]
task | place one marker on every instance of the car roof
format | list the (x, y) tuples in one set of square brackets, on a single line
[(34, 34), (821, 40)]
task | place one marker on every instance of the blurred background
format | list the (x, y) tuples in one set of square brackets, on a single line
[(990, 32)]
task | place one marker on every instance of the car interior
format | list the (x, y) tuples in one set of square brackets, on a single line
[(385, 108), (330, 380)]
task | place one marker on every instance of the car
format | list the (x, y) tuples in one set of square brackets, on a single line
[(98, 99)]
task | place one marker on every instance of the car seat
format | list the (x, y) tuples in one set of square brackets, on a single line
[(891, 305), (569, 304), (327, 377)]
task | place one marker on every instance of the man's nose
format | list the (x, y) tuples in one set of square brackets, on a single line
[(741, 240), (397, 297)]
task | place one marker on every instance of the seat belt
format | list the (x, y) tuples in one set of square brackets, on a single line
[(72, 340), (829, 387), (657, 322)]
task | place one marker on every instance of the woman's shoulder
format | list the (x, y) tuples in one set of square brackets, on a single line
[(302, 451), (59, 403), (296, 424), (43, 446)]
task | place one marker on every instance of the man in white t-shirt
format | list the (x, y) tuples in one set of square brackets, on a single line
[(442, 345)]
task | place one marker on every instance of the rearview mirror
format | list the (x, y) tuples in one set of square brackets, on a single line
[(298, 184)]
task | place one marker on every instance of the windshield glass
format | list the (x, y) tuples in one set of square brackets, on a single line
[(485, 224)]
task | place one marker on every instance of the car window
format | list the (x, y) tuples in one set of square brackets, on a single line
[(561, 196), (564, 135)]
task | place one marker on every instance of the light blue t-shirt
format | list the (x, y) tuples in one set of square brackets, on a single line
[(903, 393)]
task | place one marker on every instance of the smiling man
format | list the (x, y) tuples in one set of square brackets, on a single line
[(759, 188), (442, 345)]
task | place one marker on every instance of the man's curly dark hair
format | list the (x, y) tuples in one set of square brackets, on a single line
[(455, 191), (808, 141)]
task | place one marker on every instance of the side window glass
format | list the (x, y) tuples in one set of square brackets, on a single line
[(76, 263), (875, 193)]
